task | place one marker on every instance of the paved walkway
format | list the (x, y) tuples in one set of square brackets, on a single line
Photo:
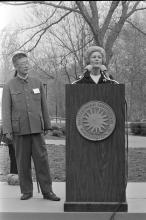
[(56, 142), (134, 141), (137, 141), (10, 201)]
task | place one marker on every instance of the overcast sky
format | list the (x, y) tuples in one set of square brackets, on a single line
[(10, 15)]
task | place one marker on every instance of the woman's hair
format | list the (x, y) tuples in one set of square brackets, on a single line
[(92, 49)]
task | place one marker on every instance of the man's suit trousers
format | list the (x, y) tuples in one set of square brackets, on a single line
[(13, 165), (27, 146)]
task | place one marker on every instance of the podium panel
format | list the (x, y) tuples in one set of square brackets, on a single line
[(95, 169)]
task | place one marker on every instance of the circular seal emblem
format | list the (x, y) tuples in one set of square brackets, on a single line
[(95, 120)]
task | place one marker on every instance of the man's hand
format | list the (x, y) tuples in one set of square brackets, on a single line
[(45, 132), (9, 136)]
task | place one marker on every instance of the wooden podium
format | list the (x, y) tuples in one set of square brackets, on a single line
[(95, 170)]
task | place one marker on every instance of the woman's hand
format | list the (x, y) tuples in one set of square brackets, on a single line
[(90, 67), (102, 68)]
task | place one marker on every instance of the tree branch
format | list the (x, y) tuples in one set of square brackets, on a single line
[(106, 23), (61, 7), (89, 21), (84, 12), (139, 9), (133, 9), (43, 3), (116, 30), (71, 41), (64, 45), (133, 25), (43, 31), (18, 4), (38, 25), (94, 10), (49, 76), (37, 40)]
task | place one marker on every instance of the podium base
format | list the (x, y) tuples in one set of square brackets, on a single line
[(95, 207)]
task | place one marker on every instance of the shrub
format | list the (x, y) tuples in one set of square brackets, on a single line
[(63, 129), (143, 128), (57, 133), (13, 179), (138, 128), (55, 127)]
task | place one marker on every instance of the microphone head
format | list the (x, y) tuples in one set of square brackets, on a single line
[(103, 68)]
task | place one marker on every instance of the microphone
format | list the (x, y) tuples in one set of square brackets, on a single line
[(107, 78), (103, 71)]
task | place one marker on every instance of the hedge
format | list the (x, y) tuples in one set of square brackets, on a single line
[(138, 128)]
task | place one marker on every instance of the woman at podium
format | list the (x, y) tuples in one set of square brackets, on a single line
[(95, 70)]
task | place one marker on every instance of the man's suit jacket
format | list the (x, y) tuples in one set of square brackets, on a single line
[(24, 107)]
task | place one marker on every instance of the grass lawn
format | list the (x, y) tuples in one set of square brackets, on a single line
[(137, 165), (56, 154), (51, 137)]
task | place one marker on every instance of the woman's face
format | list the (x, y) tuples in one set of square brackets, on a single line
[(96, 59)]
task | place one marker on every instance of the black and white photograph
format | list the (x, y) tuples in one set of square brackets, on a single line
[(73, 110)]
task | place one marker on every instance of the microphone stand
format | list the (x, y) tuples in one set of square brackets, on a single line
[(106, 78)]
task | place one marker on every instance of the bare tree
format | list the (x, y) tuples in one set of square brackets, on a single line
[(129, 64), (72, 37), (104, 35), (9, 42)]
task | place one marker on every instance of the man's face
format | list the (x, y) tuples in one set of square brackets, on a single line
[(22, 65)]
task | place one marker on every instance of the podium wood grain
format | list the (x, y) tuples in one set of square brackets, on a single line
[(95, 170)]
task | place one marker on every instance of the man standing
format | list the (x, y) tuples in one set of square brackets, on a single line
[(25, 120)]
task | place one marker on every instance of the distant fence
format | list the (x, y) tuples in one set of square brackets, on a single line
[(57, 120), (131, 127), (62, 120)]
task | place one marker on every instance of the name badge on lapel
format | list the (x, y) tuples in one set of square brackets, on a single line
[(36, 91)]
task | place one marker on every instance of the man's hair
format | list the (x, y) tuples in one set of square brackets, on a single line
[(18, 56)]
